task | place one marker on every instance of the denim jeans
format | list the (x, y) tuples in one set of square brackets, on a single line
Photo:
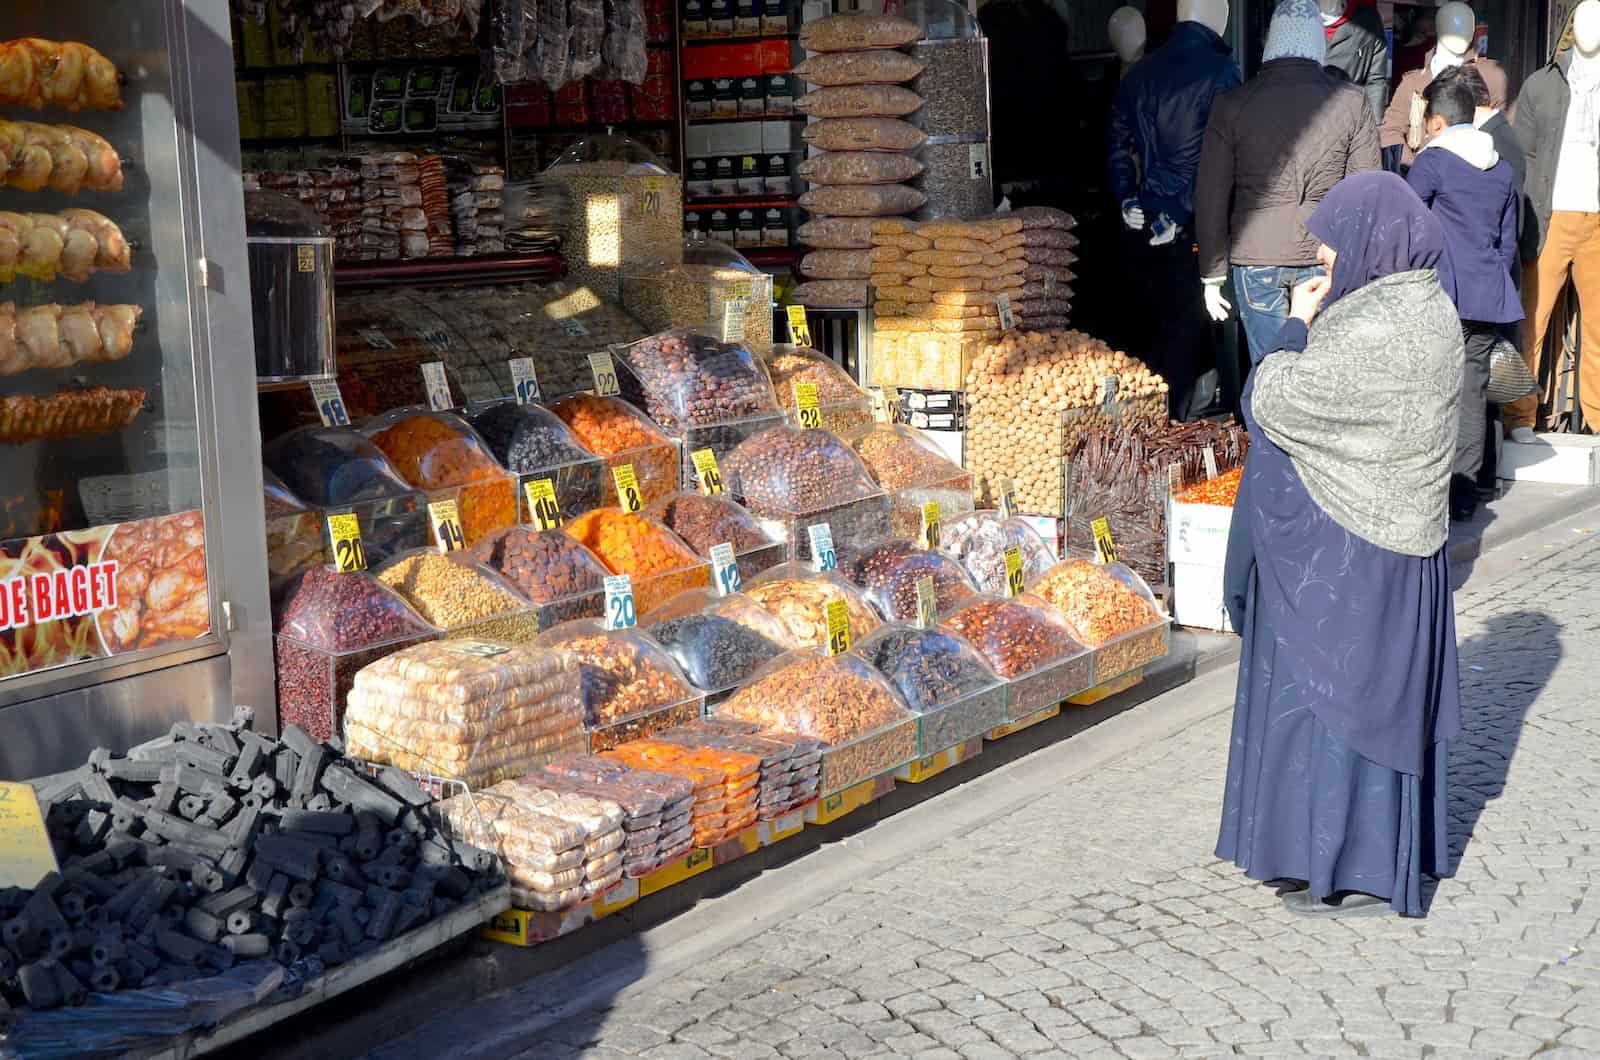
[(1263, 293)]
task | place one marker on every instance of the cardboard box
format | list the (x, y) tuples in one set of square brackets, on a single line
[(1197, 597), (1560, 459), (1198, 533)]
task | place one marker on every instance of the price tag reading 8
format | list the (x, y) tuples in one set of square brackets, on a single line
[(620, 612), (438, 386), (838, 613), (707, 472), (929, 537), (525, 380), (605, 374), (543, 508), (799, 325), (628, 497), (1014, 576), (330, 403), (348, 553), (445, 516), (725, 569), (807, 406), (823, 557), (1104, 548), (927, 603)]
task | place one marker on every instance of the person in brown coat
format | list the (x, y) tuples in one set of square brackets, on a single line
[(1402, 132)]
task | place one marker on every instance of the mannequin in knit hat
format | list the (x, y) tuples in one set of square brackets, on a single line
[(1273, 148)]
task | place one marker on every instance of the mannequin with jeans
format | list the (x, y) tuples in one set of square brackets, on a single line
[(1558, 123), (1259, 183), (1154, 136)]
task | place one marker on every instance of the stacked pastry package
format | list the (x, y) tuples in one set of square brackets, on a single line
[(477, 206), (333, 191), (393, 224), (791, 764), (535, 214), (436, 206), (863, 149), (603, 834), (726, 799), (465, 710), (657, 808)]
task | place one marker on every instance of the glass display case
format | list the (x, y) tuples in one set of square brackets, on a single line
[(125, 352)]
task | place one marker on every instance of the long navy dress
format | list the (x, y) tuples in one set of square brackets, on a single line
[(1348, 695)]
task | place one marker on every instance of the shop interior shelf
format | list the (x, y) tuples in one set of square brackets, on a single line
[(440, 271)]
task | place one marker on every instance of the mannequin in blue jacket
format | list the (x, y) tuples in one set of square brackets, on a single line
[(1157, 126)]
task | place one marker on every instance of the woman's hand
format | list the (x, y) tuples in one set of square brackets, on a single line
[(1307, 298)]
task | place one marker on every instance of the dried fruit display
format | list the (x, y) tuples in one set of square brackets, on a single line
[(887, 573), (943, 679), (1110, 609), (843, 405), (564, 579), (798, 599), (1222, 491), (45, 73), (979, 540), (659, 562), (161, 583), (533, 443), (692, 380), (914, 474), (615, 430), (706, 522), (440, 452), (460, 597), (1030, 646), (58, 336), (629, 686)]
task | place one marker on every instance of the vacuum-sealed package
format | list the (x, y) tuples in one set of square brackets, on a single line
[(564, 580), (629, 686), (943, 678), (857, 33), (888, 573), (1110, 609), (1030, 646)]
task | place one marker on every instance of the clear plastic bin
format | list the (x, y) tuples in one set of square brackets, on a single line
[(793, 479), (462, 598), (661, 563), (621, 434), (532, 443), (1030, 646), (1111, 610), (979, 540), (684, 379), (844, 406), (943, 678), (330, 625), (440, 453), (705, 522), (630, 686), (722, 439), (711, 288), (564, 580), (718, 641), (798, 598), (294, 538), (913, 473), (887, 573)]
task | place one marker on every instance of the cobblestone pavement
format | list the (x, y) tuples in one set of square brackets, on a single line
[(1096, 922)]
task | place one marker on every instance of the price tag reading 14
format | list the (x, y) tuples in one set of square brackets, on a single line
[(542, 504), (706, 470), (446, 519), (838, 613), (330, 403), (345, 532), (627, 488), (605, 374), (807, 406), (725, 569), (620, 612)]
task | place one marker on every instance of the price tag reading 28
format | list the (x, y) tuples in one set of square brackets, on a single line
[(706, 470), (605, 374), (838, 613), (1014, 577), (725, 569), (1104, 547), (628, 497), (620, 611), (348, 553), (808, 408), (445, 516), (542, 505)]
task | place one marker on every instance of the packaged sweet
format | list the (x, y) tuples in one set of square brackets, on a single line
[(887, 572)]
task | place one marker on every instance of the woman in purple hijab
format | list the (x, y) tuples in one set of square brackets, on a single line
[(1337, 577)]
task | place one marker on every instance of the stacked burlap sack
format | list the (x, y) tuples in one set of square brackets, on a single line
[(465, 710), (863, 148)]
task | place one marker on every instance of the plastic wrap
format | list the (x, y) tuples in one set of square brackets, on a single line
[(943, 678), (630, 686), (512, 30), (624, 50), (798, 599), (784, 757), (887, 573), (792, 478), (843, 404), (621, 434), (294, 531), (705, 522), (913, 473), (588, 21), (464, 710), (532, 443), (626, 205), (547, 839), (1110, 609), (718, 641), (871, 67), (552, 44), (442, 454), (979, 540), (659, 562), (461, 597), (1030, 646), (564, 580), (688, 379), (698, 290)]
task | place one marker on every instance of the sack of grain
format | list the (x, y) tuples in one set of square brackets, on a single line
[(837, 264), (1050, 256), (879, 66), (859, 167), (884, 253), (948, 283), (1049, 237), (905, 244), (863, 134), (962, 244), (896, 272), (836, 233), (859, 101), (904, 293), (854, 33), (938, 257), (832, 294), (894, 227), (866, 200), (1035, 217)]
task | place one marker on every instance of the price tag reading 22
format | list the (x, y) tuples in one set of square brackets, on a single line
[(445, 516), (605, 374), (345, 532), (838, 613), (628, 497), (542, 504)]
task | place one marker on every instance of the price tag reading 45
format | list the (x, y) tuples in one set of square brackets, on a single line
[(438, 386), (1104, 547), (605, 374), (807, 406), (838, 613), (706, 470), (725, 569), (799, 326), (620, 613), (1014, 571), (345, 532), (524, 380), (823, 557), (542, 504), (330, 403), (628, 497), (929, 538), (446, 519)]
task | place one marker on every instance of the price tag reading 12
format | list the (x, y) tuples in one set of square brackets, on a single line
[(838, 613), (1014, 570), (1104, 547), (345, 531), (627, 488), (446, 519), (823, 557), (524, 380), (620, 613), (605, 374), (706, 470), (542, 505), (725, 569), (806, 404), (799, 326), (330, 403)]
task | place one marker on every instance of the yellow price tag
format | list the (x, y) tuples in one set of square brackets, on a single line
[(706, 470), (799, 325), (627, 488), (543, 508), (930, 525), (806, 404), (604, 370), (927, 602), (1014, 577), (838, 613), (348, 553), (1104, 547), (445, 516), (25, 853)]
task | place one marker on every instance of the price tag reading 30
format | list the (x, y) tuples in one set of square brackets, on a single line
[(525, 381), (725, 569), (807, 406), (707, 472), (838, 613), (929, 538), (1104, 547), (438, 386), (823, 557), (605, 374), (628, 497), (1014, 577), (348, 553), (330, 403), (445, 516), (799, 326), (542, 505), (620, 612)]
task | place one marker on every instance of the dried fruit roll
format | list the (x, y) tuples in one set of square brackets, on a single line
[(56, 336), (63, 158), (70, 412), (45, 73), (73, 243)]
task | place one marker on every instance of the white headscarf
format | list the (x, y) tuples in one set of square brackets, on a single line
[(1297, 32)]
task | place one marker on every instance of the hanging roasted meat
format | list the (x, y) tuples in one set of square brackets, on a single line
[(73, 243), (67, 413), (45, 73), (56, 336), (62, 158)]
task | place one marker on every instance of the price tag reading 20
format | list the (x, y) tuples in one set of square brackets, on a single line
[(838, 613), (620, 612), (1014, 577), (807, 407), (628, 497), (542, 505), (345, 532), (446, 519), (605, 374), (823, 557)]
